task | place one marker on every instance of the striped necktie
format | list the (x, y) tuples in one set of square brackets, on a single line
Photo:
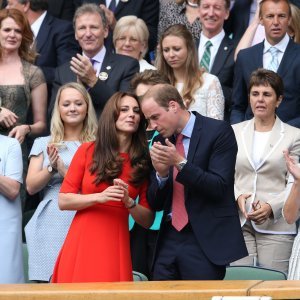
[(205, 60), (273, 65)]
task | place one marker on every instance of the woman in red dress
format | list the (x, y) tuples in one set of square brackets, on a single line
[(102, 182)]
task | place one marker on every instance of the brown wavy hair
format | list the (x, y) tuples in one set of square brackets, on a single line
[(26, 52), (107, 163), (193, 74)]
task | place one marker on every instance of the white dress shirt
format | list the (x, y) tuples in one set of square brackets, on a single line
[(281, 46), (36, 25)]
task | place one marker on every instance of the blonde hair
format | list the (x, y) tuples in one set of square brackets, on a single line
[(295, 23), (136, 26), (89, 129)]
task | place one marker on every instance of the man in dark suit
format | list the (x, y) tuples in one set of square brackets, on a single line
[(275, 17), (212, 15), (193, 184), (240, 17), (102, 72), (54, 38), (148, 10)]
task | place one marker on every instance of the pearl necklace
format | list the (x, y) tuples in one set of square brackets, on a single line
[(191, 4)]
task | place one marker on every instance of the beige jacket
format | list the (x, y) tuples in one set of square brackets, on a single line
[(268, 181)]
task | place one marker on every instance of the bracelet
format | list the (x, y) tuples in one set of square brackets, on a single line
[(132, 205)]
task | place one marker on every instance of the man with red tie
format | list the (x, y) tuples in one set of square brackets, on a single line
[(192, 181)]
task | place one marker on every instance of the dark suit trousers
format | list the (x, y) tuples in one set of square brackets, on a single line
[(180, 257)]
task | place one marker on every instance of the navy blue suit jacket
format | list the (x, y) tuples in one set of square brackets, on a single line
[(208, 179), (249, 60), (55, 44), (119, 68)]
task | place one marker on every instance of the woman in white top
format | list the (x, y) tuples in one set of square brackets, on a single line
[(130, 38), (178, 60), (261, 175)]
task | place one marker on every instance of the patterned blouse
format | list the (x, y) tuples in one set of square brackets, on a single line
[(172, 13)]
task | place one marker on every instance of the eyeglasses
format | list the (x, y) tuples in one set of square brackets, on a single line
[(123, 39)]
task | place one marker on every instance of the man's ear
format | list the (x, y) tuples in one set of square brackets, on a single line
[(26, 6)]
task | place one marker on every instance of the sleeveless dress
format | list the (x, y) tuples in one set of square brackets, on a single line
[(11, 257), (17, 98), (97, 247), (48, 227)]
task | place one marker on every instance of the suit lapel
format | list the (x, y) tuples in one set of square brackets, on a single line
[(275, 139), (222, 55), (107, 66), (195, 138), (247, 140), (288, 58), (43, 33), (120, 6)]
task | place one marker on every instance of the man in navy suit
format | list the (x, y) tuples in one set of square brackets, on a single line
[(54, 38), (212, 15), (275, 17), (102, 72), (200, 214)]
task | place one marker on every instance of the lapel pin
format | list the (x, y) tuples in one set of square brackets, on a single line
[(225, 48), (124, 1), (103, 76), (108, 67)]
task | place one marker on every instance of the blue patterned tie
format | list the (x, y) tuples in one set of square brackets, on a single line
[(273, 65), (205, 60)]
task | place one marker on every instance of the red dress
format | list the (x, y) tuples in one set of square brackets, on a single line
[(97, 246)]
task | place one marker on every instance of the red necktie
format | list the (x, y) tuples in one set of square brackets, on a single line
[(179, 213)]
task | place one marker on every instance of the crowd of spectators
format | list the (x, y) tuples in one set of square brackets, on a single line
[(85, 84)]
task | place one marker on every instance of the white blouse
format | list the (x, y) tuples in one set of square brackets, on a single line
[(209, 98)]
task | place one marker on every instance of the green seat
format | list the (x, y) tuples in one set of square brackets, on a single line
[(25, 262), (252, 273), (137, 276)]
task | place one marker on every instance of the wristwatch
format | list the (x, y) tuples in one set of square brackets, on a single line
[(132, 205), (180, 165), (50, 169)]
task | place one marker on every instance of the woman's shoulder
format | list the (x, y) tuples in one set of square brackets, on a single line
[(33, 72), (87, 146), (209, 78)]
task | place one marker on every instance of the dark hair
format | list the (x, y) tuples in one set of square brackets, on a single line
[(274, 1), (25, 51), (193, 74), (38, 5), (267, 78), (149, 77), (162, 94), (107, 163), (90, 8)]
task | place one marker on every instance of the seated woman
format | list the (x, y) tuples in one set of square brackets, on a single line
[(178, 60), (73, 122), (11, 262), (291, 213), (130, 38), (102, 181), (261, 175)]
